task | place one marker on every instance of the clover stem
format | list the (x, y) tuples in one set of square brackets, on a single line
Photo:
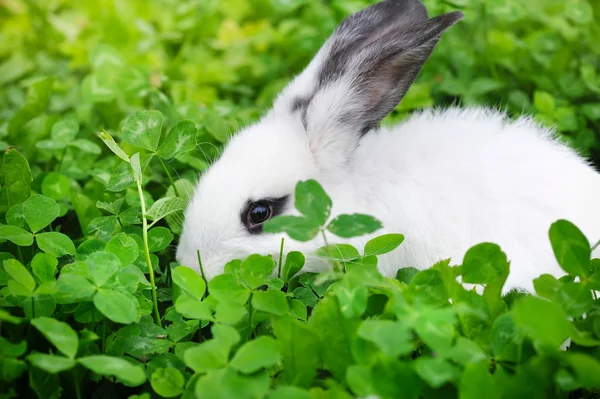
[(336, 265), (169, 176), (202, 271), (147, 253), (103, 333), (20, 254), (280, 257), (595, 246), (250, 315)]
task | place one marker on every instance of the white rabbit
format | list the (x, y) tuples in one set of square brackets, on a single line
[(446, 179)]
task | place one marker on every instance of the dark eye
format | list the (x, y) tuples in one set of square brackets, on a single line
[(258, 213)]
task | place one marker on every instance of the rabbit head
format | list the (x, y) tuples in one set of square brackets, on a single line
[(358, 76)]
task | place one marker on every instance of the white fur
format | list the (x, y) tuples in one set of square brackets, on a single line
[(446, 179)]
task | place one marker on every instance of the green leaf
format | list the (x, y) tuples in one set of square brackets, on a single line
[(64, 130), (117, 306), (354, 225), (313, 202), (476, 382), (55, 243), (142, 129), (74, 288), (121, 177), (297, 227), (256, 270), (335, 334), (159, 238), (229, 384), (436, 372), (113, 146), (586, 368), (544, 101), (17, 178), (385, 375), (59, 334), (167, 382), (208, 355), (19, 273), (299, 351), (427, 287), (338, 252), (505, 339), (575, 298), (189, 281), (15, 217), (254, 355), (111, 207), (216, 126), (306, 296), (130, 374), (571, 248), (546, 286), (16, 235), (50, 363), (294, 261), (436, 329), (124, 247), (44, 267), (383, 244), (274, 302), (406, 274), (288, 392), (39, 212), (352, 297), (10, 349), (225, 333), (56, 186), (15, 66), (543, 321), (136, 167), (102, 266), (86, 145), (483, 264), (104, 227), (466, 351), (193, 308), (180, 139), (226, 288), (393, 338)]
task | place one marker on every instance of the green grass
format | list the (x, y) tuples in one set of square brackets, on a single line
[(93, 302)]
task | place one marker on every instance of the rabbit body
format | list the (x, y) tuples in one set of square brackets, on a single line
[(446, 179), (454, 178)]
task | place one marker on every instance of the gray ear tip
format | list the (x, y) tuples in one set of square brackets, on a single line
[(451, 18)]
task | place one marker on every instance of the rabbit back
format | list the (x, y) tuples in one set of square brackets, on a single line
[(454, 178)]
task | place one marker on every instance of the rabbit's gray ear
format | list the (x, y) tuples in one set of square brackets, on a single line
[(365, 68)]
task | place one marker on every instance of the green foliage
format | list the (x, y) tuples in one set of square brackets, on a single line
[(108, 112)]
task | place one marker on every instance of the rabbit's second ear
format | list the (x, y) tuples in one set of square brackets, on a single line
[(362, 72)]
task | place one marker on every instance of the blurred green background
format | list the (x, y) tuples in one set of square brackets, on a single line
[(221, 62)]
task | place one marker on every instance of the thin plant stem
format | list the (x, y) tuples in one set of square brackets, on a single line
[(169, 176), (250, 311), (103, 334), (76, 383), (337, 266), (280, 257), (20, 254), (595, 246), (202, 271), (147, 253)]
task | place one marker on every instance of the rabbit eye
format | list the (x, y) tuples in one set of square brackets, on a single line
[(259, 213), (255, 213)]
